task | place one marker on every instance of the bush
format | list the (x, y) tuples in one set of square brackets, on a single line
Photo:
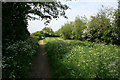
[(17, 58)]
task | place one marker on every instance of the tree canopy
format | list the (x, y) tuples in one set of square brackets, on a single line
[(103, 27), (16, 22)]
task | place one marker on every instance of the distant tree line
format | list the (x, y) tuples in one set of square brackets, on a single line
[(103, 27), (45, 32)]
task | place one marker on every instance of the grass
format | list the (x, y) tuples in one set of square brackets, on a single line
[(82, 59), (39, 42)]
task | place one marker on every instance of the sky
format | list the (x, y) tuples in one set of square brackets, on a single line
[(78, 8)]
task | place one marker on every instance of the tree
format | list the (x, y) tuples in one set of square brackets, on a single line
[(103, 28), (66, 31), (45, 32), (58, 32), (15, 24), (48, 31), (14, 27), (116, 26), (79, 26), (118, 15), (97, 27), (73, 30), (38, 35)]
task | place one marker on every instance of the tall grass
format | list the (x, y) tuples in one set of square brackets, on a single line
[(77, 59)]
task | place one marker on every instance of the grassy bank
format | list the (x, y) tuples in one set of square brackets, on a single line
[(78, 59)]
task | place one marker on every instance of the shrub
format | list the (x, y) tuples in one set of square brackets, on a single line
[(17, 58)]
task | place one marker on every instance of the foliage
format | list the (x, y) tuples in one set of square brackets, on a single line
[(15, 23), (66, 31), (117, 17), (73, 30), (82, 59), (116, 26), (38, 35), (45, 32), (79, 26), (58, 32), (18, 49), (48, 31), (101, 28), (98, 26), (18, 57), (19, 12)]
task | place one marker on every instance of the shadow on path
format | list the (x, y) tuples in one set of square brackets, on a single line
[(41, 67)]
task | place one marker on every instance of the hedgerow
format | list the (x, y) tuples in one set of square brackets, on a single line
[(17, 58)]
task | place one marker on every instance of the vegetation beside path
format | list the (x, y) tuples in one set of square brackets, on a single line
[(18, 58), (82, 59)]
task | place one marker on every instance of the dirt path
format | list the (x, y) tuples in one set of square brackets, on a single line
[(41, 67)]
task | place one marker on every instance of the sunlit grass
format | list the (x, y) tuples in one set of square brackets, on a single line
[(39, 42), (82, 59)]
